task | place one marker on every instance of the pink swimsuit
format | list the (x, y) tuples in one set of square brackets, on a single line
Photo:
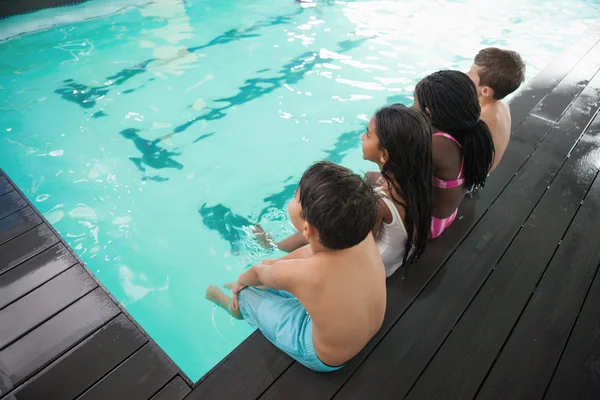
[(439, 225)]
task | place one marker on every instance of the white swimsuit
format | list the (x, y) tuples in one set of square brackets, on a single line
[(391, 238)]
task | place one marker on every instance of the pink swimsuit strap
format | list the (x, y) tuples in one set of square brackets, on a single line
[(439, 183)]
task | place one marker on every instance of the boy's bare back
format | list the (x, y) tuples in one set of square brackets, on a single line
[(497, 73), (497, 116), (344, 293)]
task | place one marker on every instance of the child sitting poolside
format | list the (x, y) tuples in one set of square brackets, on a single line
[(325, 301), (398, 140), (497, 73), (462, 145)]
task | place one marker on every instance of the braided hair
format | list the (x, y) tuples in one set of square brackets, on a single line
[(406, 135), (450, 97)]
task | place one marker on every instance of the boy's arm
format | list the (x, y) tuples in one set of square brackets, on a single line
[(276, 276), (302, 252), (292, 243)]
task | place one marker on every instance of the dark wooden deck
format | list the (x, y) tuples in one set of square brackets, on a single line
[(505, 305), (14, 7), (62, 336)]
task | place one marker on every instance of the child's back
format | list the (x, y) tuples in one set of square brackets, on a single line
[(344, 293), (322, 303), (496, 74), (497, 116)]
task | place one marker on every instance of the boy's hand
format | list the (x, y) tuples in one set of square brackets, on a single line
[(235, 289), (269, 261)]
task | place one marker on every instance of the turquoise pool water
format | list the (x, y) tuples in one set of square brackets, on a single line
[(245, 95)]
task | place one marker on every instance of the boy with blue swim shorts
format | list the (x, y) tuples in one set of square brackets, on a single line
[(322, 303)]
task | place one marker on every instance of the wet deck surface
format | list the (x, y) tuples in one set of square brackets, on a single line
[(505, 305), (61, 334)]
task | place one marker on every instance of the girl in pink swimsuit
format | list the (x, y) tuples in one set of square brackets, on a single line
[(462, 146)]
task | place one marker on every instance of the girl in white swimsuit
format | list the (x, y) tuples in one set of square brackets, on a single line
[(398, 140)]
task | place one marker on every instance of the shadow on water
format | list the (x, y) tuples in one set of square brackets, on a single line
[(152, 156), (219, 218), (234, 35), (230, 227), (254, 88), (86, 96)]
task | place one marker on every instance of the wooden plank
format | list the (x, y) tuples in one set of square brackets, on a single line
[(44, 344), (8, 7), (177, 389), (34, 272), (73, 373), (38, 306), (526, 364), (253, 365), (11, 202), (18, 222), (554, 105), (459, 367), (401, 291), (543, 83), (578, 373), (26, 246), (138, 378), (415, 338), (5, 185)]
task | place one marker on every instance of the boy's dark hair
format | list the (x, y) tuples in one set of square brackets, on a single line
[(406, 135), (338, 204), (451, 98), (501, 70)]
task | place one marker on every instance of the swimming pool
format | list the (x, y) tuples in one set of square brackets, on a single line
[(245, 95)]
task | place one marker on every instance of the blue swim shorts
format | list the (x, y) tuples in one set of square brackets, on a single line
[(283, 320)]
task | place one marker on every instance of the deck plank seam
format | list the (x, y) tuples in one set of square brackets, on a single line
[(82, 295), (587, 127), (37, 287), (564, 347), (558, 81), (481, 385), (33, 375), (22, 233), (275, 380), (167, 384), (33, 255), (107, 373), (471, 301), (494, 268), (574, 98)]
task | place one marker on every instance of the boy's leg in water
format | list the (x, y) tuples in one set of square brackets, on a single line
[(216, 295)]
